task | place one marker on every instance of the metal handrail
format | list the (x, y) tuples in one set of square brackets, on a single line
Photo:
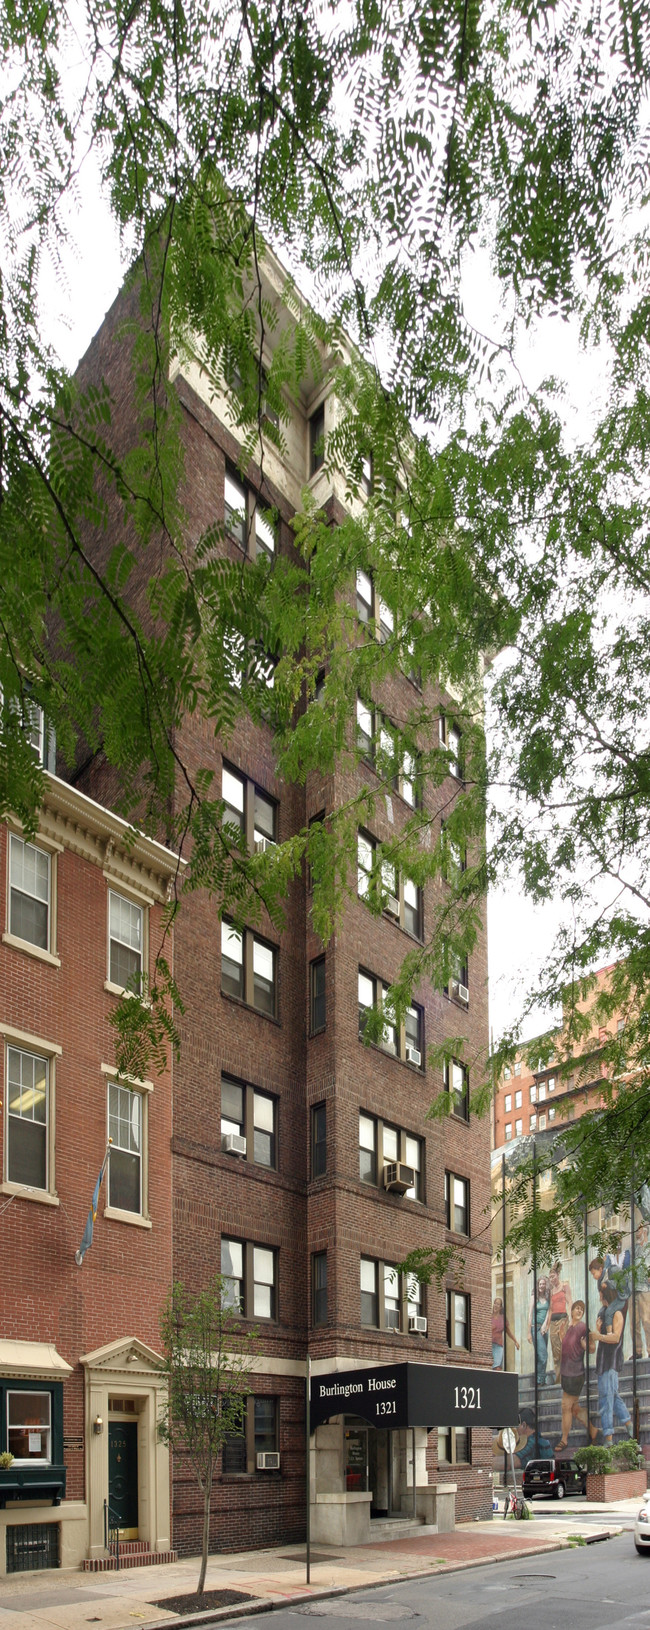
[(112, 1527)]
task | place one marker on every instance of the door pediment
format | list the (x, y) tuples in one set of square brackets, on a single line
[(128, 1356)]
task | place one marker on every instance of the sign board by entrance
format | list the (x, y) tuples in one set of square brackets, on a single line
[(397, 1395)]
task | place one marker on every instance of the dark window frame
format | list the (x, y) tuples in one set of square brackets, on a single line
[(382, 1268), (319, 1290), (450, 1204), (250, 938), (376, 1180), (247, 540), (460, 1101), (317, 998), (55, 1388), (376, 882), (450, 1321), (252, 791), (248, 1280), (401, 1039), (239, 1452), (249, 1093), (318, 1119), (316, 428)]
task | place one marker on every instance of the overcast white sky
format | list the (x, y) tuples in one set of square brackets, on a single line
[(520, 935)]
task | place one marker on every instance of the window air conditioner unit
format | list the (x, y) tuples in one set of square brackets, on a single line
[(461, 991), (413, 1055), (234, 1144), (417, 1324), (391, 1318), (392, 905), (398, 1177), (262, 844), (268, 1461)]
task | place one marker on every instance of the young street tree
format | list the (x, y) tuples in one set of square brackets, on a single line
[(207, 1361), (217, 129)]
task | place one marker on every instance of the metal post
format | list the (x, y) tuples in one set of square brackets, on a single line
[(415, 1493), (587, 1321), (503, 1285), (534, 1318), (106, 1525), (308, 1471)]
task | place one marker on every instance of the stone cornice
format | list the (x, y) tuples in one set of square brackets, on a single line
[(68, 817)]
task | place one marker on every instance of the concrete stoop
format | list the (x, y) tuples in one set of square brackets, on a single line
[(382, 1528)]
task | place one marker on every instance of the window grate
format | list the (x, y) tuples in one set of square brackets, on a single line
[(31, 1546)]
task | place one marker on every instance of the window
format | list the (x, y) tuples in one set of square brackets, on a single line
[(404, 1041), (125, 934), (391, 1298), (235, 507), (458, 1335), (250, 1114), (519, 1126), (250, 809), (518, 1100), (265, 1426), (551, 1083), (28, 1093), (315, 845), (454, 1446), (234, 1458), (369, 1292), (249, 1278), (125, 1159), (318, 1140), (365, 597), (542, 1123), (258, 1434), (457, 1203), (541, 1092), (508, 1103), (394, 1145), (381, 881), (319, 1288), (533, 1123), (506, 1073), (265, 536), (317, 439), (533, 1095), (451, 740), (456, 1081), (372, 611), (317, 1009), (367, 475), (248, 968), (551, 1113), (518, 1067), (414, 1297), (29, 1426), (365, 730), (29, 893), (508, 1131)]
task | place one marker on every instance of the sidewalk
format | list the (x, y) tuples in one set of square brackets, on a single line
[(71, 1601)]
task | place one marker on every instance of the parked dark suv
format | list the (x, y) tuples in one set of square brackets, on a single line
[(554, 1477)]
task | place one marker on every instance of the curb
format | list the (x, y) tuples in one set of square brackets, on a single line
[(256, 1605)]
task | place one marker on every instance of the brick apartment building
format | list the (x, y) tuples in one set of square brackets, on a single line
[(80, 908), (284, 1121)]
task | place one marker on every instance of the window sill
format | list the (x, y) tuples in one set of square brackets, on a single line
[(23, 1193), (238, 1001), (31, 950), (132, 1217), (373, 1046), (121, 990)]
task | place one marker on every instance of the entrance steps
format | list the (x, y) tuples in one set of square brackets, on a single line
[(399, 1528), (134, 1553)]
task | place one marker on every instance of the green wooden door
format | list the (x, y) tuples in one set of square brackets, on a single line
[(123, 1474)]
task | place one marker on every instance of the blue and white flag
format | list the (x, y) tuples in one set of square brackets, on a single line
[(90, 1220)]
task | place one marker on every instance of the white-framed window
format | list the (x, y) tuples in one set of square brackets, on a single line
[(30, 883), (551, 1083), (518, 1100), (125, 1126), (541, 1092), (458, 1331), (27, 1157), (508, 1131), (125, 942), (506, 1073), (29, 1427), (519, 1126), (542, 1123), (518, 1067), (533, 1123), (551, 1113), (508, 1103), (533, 1094)]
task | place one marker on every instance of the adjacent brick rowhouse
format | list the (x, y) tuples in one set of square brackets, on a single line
[(215, 1194)]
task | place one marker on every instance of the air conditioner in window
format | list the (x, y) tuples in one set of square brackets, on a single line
[(262, 844), (391, 1318), (461, 991), (413, 1055), (417, 1324), (268, 1461), (392, 905), (398, 1177), (233, 1144)]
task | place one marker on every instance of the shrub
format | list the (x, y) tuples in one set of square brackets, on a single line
[(628, 1456), (594, 1459), (6, 1460)]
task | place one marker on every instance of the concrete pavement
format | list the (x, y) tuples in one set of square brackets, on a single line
[(58, 1600)]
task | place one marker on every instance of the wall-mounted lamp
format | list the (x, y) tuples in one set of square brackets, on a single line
[(98, 1425)]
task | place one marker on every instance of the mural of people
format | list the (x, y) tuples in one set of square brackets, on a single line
[(539, 1317), (530, 1445), (618, 1265), (574, 1347), (560, 1299), (642, 1296), (499, 1326), (608, 1338)]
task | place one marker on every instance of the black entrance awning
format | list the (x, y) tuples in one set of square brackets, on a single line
[(428, 1395)]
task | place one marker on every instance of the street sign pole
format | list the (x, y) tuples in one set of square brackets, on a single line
[(308, 1472)]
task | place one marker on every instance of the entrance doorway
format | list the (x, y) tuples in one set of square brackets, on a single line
[(123, 1476)]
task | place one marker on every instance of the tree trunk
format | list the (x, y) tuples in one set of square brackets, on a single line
[(207, 1493)]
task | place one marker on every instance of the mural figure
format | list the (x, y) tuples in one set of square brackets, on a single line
[(560, 1299), (499, 1326), (530, 1444), (574, 1347), (608, 1335), (642, 1292), (539, 1316), (618, 1268)]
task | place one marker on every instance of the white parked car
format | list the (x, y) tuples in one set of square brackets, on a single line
[(642, 1527)]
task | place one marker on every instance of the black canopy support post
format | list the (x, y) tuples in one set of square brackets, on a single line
[(587, 1322), (635, 1399), (415, 1481), (534, 1318), (308, 1472)]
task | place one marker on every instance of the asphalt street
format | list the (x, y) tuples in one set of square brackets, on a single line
[(587, 1588)]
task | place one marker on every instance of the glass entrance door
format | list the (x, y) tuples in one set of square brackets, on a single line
[(356, 1459)]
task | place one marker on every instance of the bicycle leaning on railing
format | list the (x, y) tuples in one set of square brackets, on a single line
[(515, 1504)]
